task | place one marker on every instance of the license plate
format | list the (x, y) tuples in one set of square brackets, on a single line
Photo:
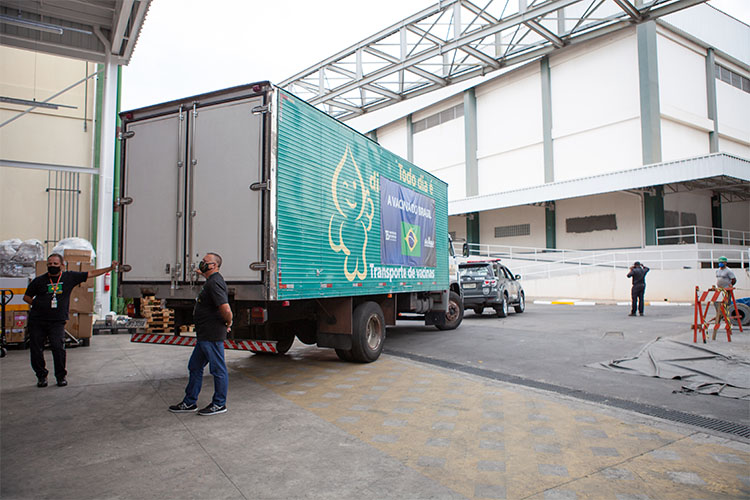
[(470, 285)]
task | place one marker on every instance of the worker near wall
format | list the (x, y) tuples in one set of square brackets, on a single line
[(725, 278), (638, 273), (49, 296), (213, 320)]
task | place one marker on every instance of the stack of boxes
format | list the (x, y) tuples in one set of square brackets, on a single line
[(15, 326), (81, 320), (16, 310)]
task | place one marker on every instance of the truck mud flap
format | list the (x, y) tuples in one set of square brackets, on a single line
[(238, 345)]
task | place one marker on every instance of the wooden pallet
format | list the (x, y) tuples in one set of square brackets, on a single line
[(158, 319)]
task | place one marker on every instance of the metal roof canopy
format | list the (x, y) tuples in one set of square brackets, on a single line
[(456, 40), (721, 173), (80, 29)]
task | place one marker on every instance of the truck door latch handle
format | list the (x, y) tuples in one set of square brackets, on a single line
[(259, 266), (125, 200), (257, 110), (125, 135), (260, 186)]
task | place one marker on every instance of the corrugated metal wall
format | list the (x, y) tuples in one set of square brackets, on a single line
[(329, 209)]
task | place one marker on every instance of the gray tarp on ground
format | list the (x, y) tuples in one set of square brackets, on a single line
[(706, 371)]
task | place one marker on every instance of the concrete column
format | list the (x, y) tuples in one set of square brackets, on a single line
[(713, 136), (106, 181), (549, 154), (470, 141), (648, 72)]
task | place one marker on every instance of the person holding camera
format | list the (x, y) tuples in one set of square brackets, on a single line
[(638, 273)]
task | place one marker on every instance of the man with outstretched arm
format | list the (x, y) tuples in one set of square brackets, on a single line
[(49, 297)]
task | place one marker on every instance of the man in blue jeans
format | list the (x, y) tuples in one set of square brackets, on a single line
[(213, 319)]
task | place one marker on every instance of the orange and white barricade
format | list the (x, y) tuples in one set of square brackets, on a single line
[(721, 297)]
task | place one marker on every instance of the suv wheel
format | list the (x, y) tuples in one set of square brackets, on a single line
[(521, 307), (502, 308)]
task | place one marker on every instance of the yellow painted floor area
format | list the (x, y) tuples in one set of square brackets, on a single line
[(487, 439)]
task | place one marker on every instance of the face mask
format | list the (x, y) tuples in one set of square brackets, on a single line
[(53, 270), (203, 266), (722, 265)]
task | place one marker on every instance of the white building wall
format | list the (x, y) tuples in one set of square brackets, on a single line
[(509, 132), (628, 209), (393, 137), (733, 111), (534, 216), (457, 225), (595, 108), (736, 216), (695, 203), (440, 149)]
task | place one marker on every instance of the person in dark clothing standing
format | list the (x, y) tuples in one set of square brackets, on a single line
[(213, 320), (49, 296), (638, 272)]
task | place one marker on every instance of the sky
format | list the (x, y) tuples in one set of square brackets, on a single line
[(188, 47)]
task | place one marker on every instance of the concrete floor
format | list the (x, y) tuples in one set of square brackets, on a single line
[(306, 425)]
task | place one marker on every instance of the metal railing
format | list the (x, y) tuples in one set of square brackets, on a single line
[(533, 263), (701, 234)]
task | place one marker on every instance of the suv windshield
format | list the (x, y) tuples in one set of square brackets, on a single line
[(481, 271)]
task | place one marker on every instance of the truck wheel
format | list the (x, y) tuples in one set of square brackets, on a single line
[(478, 310), (743, 311), (455, 313), (502, 309), (307, 332), (368, 332), (521, 307), (284, 343)]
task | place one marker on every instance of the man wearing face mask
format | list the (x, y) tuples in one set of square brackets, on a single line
[(49, 296), (213, 320)]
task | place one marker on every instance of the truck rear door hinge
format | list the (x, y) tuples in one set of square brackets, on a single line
[(259, 266), (259, 110), (261, 186), (125, 135)]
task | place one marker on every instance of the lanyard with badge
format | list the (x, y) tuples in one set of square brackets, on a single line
[(55, 288)]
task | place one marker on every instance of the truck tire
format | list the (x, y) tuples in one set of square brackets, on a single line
[(368, 337), (344, 355), (284, 343), (455, 313), (743, 311), (502, 309), (478, 310), (521, 306)]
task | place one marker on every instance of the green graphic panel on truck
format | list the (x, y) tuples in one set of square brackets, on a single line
[(328, 211)]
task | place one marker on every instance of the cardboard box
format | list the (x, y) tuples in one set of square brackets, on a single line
[(20, 319), (76, 256), (80, 325), (41, 267), (82, 300), (15, 335), (85, 267)]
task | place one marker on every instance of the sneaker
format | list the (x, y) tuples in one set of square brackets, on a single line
[(62, 382), (631, 314), (212, 409), (41, 382), (183, 408)]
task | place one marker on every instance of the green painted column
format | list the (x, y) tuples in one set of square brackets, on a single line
[(653, 210), (648, 76), (97, 146), (713, 135), (470, 142), (409, 139), (116, 302), (549, 158), (550, 225), (472, 228), (716, 217)]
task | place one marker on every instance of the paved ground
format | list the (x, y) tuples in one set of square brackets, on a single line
[(309, 426)]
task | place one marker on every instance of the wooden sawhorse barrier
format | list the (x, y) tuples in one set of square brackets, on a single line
[(722, 296)]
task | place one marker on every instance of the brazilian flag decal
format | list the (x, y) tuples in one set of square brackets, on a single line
[(410, 240)]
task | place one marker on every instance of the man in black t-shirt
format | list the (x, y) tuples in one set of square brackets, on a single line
[(213, 320), (638, 272), (49, 296)]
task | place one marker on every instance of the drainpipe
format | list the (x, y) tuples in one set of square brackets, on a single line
[(116, 302)]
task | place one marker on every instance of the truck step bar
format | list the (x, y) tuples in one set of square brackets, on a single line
[(239, 345)]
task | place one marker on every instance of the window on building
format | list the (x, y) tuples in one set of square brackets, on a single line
[(589, 224), (438, 118), (516, 230), (732, 78)]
